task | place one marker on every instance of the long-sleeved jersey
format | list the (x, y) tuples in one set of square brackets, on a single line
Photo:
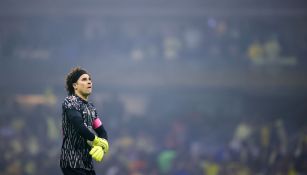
[(77, 121)]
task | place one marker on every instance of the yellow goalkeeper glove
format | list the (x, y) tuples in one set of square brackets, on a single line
[(97, 153), (101, 142)]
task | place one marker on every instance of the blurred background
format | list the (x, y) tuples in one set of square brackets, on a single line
[(184, 87)]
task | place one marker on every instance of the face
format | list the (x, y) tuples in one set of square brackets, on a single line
[(83, 86)]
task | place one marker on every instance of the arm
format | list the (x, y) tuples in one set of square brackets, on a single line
[(75, 118), (101, 132), (99, 129)]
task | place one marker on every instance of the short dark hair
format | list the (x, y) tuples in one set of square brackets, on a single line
[(73, 77)]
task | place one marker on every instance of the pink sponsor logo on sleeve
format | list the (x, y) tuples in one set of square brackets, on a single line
[(96, 123)]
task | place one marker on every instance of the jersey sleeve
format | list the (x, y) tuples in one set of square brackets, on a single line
[(98, 126), (76, 119)]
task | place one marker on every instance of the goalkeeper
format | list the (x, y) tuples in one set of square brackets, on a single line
[(84, 136)]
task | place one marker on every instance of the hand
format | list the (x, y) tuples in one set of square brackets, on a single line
[(97, 153), (101, 142)]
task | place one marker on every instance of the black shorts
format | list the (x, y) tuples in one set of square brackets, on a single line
[(77, 171)]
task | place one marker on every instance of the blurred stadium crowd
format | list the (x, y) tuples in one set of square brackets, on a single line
[(212, 40), (179, 126), (181, 142)]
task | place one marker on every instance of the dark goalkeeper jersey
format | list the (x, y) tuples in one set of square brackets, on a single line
[(77, 118)]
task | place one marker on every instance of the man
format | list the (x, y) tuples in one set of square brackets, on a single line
[(84, 136)]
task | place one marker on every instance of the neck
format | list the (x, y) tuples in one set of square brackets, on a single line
[(84, 97)]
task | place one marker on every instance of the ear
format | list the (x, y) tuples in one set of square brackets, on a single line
[(74, 85)]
